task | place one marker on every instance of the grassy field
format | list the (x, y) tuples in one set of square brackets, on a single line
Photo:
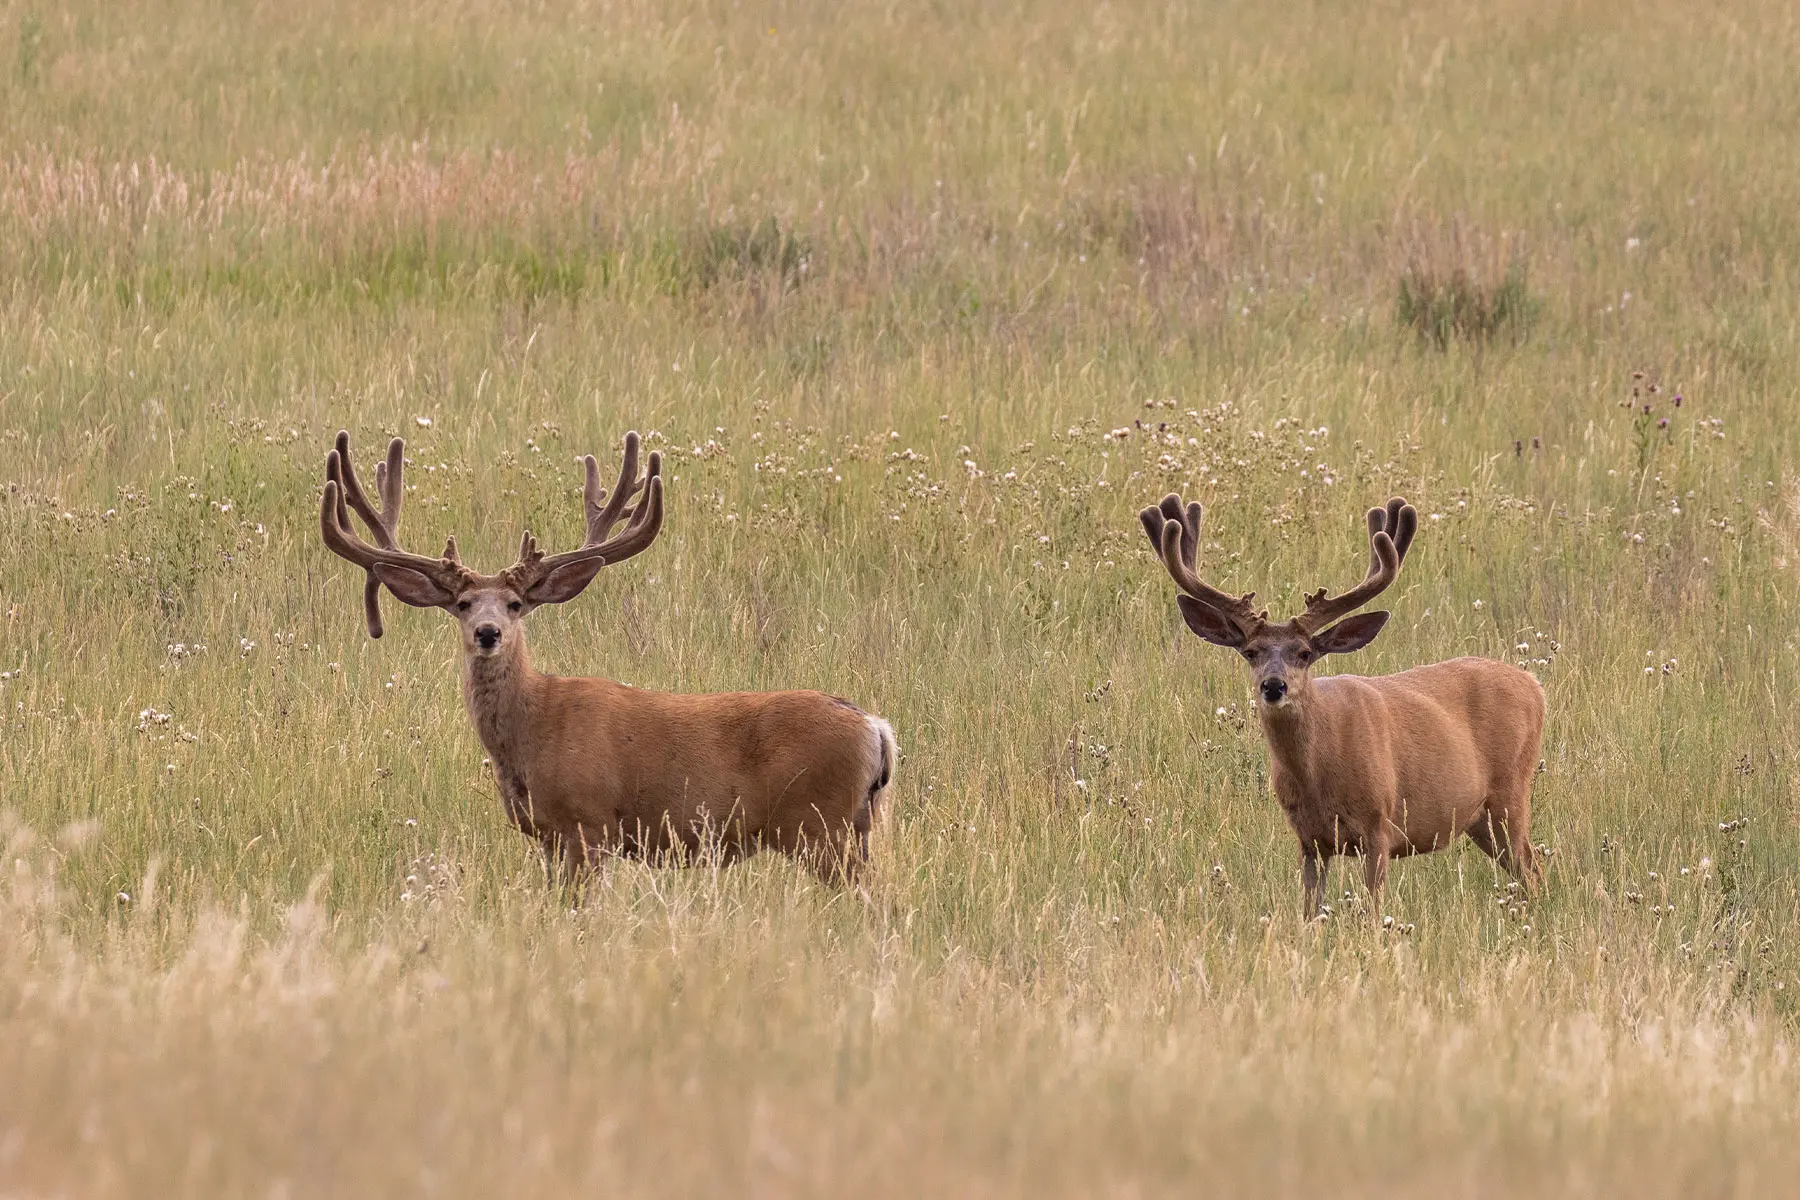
[(921, 303)]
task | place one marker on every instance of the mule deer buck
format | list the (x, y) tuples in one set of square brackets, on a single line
[(589, 766), (1385, 766)]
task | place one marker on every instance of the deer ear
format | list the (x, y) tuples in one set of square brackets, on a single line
[(565, 583), (1352, 633), (1209, 625), (410, 587)]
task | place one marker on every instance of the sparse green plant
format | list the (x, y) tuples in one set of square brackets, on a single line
[(31, 47), (1444, 305)]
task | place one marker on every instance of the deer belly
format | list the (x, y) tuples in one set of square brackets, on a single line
[(1345, 822), (589, 804), (650, 828), (1434, 811), (1331, 828)]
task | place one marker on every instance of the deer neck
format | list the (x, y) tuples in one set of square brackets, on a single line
[(1290, 732), (497, 691)]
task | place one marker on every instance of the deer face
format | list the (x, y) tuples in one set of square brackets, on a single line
[(1281, 656), (487, 608), (489, 614), (1280, 665)]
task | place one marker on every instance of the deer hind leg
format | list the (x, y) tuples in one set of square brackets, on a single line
[(1315, 867), (1503, 832), (862, 822), (1375, 868), (832, 856), (825, 845), (868, 805), (1521, 858), (829, 831)]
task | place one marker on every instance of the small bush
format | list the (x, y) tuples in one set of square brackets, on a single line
[(1459, 305), (1464, 285), (709, 255)]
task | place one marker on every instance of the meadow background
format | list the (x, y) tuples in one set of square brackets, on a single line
[(921, 303)]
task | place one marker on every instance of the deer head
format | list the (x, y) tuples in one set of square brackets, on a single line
[(487, 607), (1280, 654)]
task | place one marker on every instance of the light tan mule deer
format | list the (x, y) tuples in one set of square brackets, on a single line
[(1384, 766), (589, 766)]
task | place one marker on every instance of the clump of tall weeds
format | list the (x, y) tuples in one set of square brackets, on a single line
[(1464, 287)]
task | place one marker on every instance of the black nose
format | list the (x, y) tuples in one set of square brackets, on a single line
[(1274, 689), (487, 636)]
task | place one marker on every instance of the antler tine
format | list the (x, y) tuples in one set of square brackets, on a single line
[(334, 525), (601, 520), (1174, 529), (341, 485), (372, 604), (644, 520), (1170, 509), (1399, 520), (334, 485), (1190, 534), (645, 523), (1391, 531), (376, 521), (1402, 523), (387, 484)]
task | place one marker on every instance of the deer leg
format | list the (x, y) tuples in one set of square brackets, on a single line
[(584, 852), (724, 842), (561, 858), (517, 799), (832, 855), (1375, 869), (1531, 873), (1482, 834), (832, 859), (1520, 859), (1505, 836), (1315, 864), (825, 846)]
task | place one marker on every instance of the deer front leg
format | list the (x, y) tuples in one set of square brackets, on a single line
[(1315, 863), (517, 799)]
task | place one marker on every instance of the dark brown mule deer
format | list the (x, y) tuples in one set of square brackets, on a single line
[(589, 766), (1385, 766)]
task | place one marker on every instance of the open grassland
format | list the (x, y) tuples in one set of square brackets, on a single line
[(921, 303)]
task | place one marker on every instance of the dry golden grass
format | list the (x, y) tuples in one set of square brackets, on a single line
[(922, 305)]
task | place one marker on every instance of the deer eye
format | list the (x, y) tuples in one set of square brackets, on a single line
[(1306, 656), (462, 606), (515, 606), (1250, 655)]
